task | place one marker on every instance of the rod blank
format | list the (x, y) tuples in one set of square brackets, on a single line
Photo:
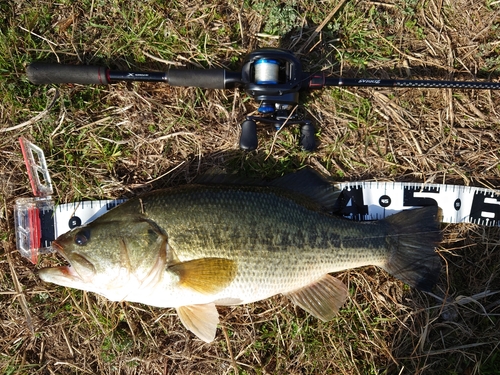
[(356, 82)]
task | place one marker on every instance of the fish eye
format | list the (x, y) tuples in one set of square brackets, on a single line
[(82, 237)]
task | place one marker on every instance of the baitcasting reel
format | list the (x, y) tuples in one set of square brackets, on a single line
[(274, 78), (271, 76)]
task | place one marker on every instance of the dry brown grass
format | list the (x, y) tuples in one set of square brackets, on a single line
[(123, 139)]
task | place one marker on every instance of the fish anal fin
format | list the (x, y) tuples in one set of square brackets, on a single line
[(323, 298), (202, 320), (205, 275)]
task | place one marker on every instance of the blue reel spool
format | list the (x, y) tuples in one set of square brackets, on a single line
[(266, 73)]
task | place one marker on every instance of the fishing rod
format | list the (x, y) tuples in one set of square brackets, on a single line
[(272, 76)]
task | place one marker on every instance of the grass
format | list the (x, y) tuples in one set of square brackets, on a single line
[(127, 138)]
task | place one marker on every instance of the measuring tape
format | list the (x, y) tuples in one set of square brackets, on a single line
[(38, 220), (459, 204)]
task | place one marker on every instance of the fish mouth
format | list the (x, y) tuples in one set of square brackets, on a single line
[(62, 275), (58, 248)]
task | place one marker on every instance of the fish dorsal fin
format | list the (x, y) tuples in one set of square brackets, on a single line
[(218, 176), (311, 184), (202, 320), (205, 275), (306, 182), (322, 298)]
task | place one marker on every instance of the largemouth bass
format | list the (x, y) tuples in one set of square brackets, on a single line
[(197, 246)]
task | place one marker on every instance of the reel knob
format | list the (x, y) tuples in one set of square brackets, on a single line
[(307, 137), (248, 137)]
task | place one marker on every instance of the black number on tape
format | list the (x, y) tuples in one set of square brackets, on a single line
[(351, 203), (74, 222), (385, 201), (409, 198), (485, 208)]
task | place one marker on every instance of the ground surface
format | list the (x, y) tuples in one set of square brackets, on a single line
[(124, 139)]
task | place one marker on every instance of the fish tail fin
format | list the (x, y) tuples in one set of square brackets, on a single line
[(414, 235)]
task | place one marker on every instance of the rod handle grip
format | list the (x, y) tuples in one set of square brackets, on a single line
[(205, 78), (43, 73)]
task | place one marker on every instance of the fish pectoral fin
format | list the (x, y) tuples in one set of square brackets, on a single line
[(205, 275), (323, 298), (202, 320)]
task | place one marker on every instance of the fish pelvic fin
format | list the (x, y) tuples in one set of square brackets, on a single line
[(414, 235), (205, 275), (323, 298), (202, 320)]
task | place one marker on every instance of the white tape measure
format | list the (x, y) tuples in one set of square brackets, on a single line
[(39, 221), (459, 204)]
